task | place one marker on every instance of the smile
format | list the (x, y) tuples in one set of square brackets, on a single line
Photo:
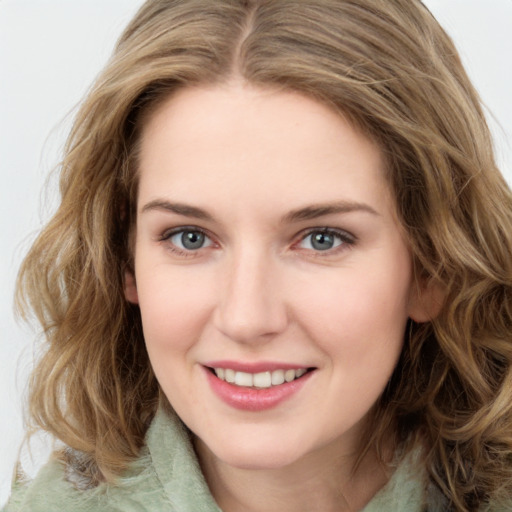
[(262, 389), (261, 380)]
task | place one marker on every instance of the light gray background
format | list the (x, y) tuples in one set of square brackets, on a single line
[(50, 50)]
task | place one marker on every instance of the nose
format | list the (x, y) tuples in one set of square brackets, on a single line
[(251, 307)]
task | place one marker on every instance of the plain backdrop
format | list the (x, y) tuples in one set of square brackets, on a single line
[(50, 51)]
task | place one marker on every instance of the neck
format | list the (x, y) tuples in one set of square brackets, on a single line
[(314, 484)]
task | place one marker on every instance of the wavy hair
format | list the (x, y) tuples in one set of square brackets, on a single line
[(391, 69)]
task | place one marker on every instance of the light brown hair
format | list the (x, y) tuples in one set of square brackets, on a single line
[(390, 68)]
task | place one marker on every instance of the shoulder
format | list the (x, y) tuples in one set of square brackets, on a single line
[(411, 490), (49, 490), (166, 476), (58, 488)]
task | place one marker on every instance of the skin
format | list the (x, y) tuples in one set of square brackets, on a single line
[(259, 290)]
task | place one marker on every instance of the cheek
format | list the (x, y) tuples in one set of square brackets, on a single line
[(174, 308), (360, 317), (359, 327), (174, 304)]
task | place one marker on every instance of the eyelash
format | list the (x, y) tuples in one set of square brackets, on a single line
[(167, 235), (346, 240)]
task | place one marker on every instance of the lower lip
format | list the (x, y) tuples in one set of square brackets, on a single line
[(250, 399)]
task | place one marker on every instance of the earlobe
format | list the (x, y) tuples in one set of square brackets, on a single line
[(130, 287), (426, 301)]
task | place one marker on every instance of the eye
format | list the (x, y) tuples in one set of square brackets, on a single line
[(188, 239), (325, 240)]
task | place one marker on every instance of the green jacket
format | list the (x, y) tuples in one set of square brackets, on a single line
[(167, 478)]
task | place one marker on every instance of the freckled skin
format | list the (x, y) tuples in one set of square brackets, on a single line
[(258, 289)]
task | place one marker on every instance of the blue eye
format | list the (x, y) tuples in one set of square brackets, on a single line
[(323, 240), (189, 239)]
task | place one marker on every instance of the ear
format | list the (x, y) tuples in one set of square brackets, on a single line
[(130, 287), (426, 300)]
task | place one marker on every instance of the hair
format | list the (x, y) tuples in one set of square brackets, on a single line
[(395, 74)]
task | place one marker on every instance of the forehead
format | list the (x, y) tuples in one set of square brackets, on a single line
[(266, 111), (234, 142)]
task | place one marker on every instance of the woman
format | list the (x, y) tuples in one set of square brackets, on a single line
[(279, 274)]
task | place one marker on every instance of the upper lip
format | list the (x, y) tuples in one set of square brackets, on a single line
[(255, 367)]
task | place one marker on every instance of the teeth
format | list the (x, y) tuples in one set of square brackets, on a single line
[(277, 377), (258, 380), (243, 379), (262, 380), (289, 375)]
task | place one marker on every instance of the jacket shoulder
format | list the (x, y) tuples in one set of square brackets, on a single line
[(52, 490), (48, 491)]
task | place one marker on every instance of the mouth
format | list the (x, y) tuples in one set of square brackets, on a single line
[(260, 380), (256, 387)]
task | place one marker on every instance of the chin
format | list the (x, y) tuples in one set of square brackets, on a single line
[(256, 457)]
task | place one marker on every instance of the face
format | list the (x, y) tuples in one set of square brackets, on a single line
[(273, 277)]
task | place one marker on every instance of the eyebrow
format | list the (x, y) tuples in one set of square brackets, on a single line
[(319, 210), (300, 214), (178, 208)]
